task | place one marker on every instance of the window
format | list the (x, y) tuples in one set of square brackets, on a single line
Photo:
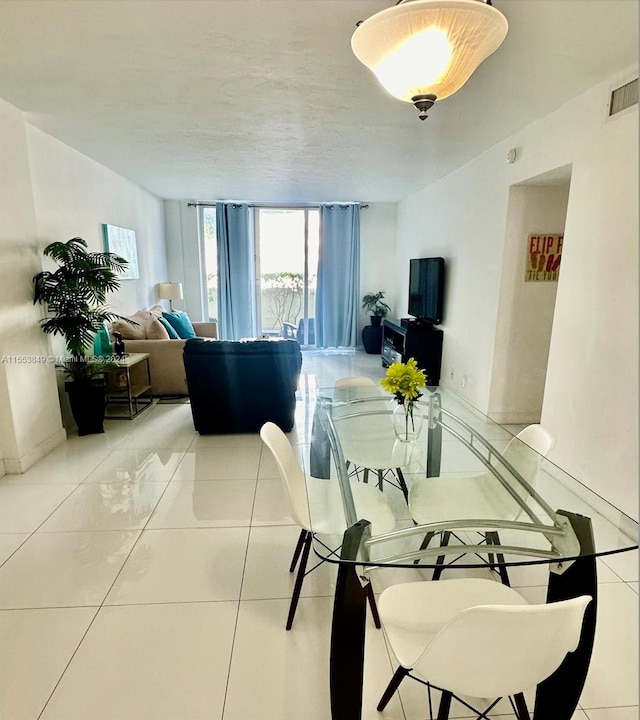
[(287, 258), (210, 246), (286, 262)]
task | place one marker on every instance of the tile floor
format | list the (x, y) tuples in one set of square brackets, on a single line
[(143, 576)]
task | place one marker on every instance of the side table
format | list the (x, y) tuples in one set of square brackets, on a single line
[(129, 387)]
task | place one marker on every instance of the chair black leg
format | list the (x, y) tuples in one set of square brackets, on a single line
[(521, 707), (397, 678), (299, 578), (444, 541), (427, 539), (380, 480), (445, 705), (296, 552), (403, 484), (368, 589), (492, 538), (425, 544)]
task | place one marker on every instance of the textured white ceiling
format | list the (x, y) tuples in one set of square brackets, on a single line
[(263, 100)]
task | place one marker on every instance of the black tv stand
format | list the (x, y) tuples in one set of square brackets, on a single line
[(417, 323), (414, 338)]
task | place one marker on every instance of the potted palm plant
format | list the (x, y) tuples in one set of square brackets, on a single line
[(74, 296)]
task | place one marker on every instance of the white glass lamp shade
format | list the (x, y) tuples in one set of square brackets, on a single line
[(424, 47), (170, 291)]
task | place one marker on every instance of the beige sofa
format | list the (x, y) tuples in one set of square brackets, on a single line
[(166, 364)]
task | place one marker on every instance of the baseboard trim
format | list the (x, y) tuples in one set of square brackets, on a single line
[(16, 466)]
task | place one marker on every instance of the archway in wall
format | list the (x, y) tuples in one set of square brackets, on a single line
[(536, 212)]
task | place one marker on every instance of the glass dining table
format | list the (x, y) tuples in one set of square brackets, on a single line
[(465, 495)]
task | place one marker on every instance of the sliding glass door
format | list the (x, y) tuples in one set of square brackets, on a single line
[(210, 252), (287, 264)]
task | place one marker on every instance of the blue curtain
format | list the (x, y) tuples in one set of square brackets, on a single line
[(236, 281), (337, 294)]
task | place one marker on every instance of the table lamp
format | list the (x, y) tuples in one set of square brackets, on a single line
[(170, 291)]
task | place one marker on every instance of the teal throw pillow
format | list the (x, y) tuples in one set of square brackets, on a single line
[(181, 324), (173, 335)]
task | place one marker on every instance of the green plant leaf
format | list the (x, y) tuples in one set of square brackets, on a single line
[(75, 293)]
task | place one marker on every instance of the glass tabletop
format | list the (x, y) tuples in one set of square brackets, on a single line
[(466, 490)]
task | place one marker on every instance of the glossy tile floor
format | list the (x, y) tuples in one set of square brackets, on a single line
[(143, 576)]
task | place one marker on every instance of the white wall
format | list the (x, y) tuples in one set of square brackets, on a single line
[(184, 257), (75, 195), (463, 218), (525, 309), (378, 228), (591, 398), (30, 421), (378, 225), (52, 192)]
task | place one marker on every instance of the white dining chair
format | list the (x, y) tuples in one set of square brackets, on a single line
[(328, 511), (354, 381), (476, 638), (441, 498), (362, 455)]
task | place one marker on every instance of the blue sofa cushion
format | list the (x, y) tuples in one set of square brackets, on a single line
[(173, 335), (180, 322)]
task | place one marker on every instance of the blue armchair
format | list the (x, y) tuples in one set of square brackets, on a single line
[(236, 387)]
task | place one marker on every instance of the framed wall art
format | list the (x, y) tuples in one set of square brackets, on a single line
[(122, 242), (544, 253)]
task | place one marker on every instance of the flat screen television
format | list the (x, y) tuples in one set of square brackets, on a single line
[(426, 289)]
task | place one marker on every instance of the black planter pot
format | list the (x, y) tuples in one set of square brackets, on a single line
[(372, 338), (376, 320), (88, 403)]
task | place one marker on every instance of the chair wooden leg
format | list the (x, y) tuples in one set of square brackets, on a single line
[(299, 578), (397, 678), (521, 707), (296, 552), (372, 605), (445, 705)]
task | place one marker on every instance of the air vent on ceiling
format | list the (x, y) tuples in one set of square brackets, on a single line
[(624, 97)]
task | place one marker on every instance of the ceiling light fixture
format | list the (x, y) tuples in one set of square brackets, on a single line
[(423, 50)]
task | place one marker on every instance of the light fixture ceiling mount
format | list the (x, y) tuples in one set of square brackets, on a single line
[(423, 50)]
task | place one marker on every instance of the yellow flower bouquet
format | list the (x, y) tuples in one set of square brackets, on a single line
[(403, 381)]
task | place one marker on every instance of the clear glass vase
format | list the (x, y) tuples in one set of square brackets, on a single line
[(407, 421)]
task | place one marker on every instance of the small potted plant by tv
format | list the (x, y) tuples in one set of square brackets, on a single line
[(74, 295), (374, 303), (372, 334)]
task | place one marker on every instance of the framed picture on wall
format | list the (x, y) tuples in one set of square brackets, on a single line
[(122, 242), (544, 253)]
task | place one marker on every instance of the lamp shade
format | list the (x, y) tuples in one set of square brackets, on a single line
[(428, 47), (170, 291)]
